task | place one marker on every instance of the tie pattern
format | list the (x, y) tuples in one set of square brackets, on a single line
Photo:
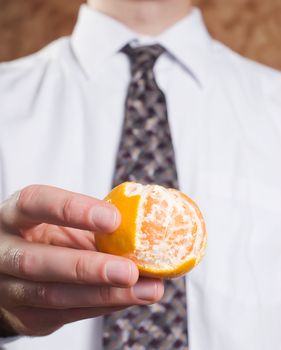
[(146, 155)]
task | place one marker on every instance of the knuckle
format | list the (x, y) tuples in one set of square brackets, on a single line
[(68, 209), (26, 294), (7, 211), (14, 292), (24, 262), (17, 294), (46, 296), (101, 270), (41, 295), (90, 269), (80, 269), (104, 295), (75, 211), (2, 211), (12, 259), (26, 196)]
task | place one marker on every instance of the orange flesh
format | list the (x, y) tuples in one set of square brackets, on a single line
[(168, 227), (162, 230)]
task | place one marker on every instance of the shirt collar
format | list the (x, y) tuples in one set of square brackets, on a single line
[(97, 37)]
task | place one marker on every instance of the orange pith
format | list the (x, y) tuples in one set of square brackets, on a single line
[(162, 230)]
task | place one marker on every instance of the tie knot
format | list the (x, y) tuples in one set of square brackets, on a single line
[(143, 58)]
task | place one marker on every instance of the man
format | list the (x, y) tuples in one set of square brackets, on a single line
[(62, 112)]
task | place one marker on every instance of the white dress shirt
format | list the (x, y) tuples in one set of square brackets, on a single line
[(61, 113)]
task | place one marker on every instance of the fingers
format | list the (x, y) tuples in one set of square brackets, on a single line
[(39, 262), (62, 296), (48, 307), (60, 236), (45, 204)]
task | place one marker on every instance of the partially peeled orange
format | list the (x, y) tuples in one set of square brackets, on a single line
[(162, 230)]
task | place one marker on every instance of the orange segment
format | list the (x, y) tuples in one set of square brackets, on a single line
[(162, 230)]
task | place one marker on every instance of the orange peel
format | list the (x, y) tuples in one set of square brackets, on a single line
[(162, 230)]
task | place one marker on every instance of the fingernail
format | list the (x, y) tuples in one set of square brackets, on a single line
[(145, 290), (104, 218), (118, 272)]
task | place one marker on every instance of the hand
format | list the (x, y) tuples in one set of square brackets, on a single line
[(44, 286)]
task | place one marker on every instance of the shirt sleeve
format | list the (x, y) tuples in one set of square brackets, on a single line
[(18, 82), (7, 340)]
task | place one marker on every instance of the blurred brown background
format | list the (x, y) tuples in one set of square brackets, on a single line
[(251, 27)]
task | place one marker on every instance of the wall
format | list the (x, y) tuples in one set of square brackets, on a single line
[(251, 27)]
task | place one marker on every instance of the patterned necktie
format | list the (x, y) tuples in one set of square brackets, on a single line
[(146, 155)]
